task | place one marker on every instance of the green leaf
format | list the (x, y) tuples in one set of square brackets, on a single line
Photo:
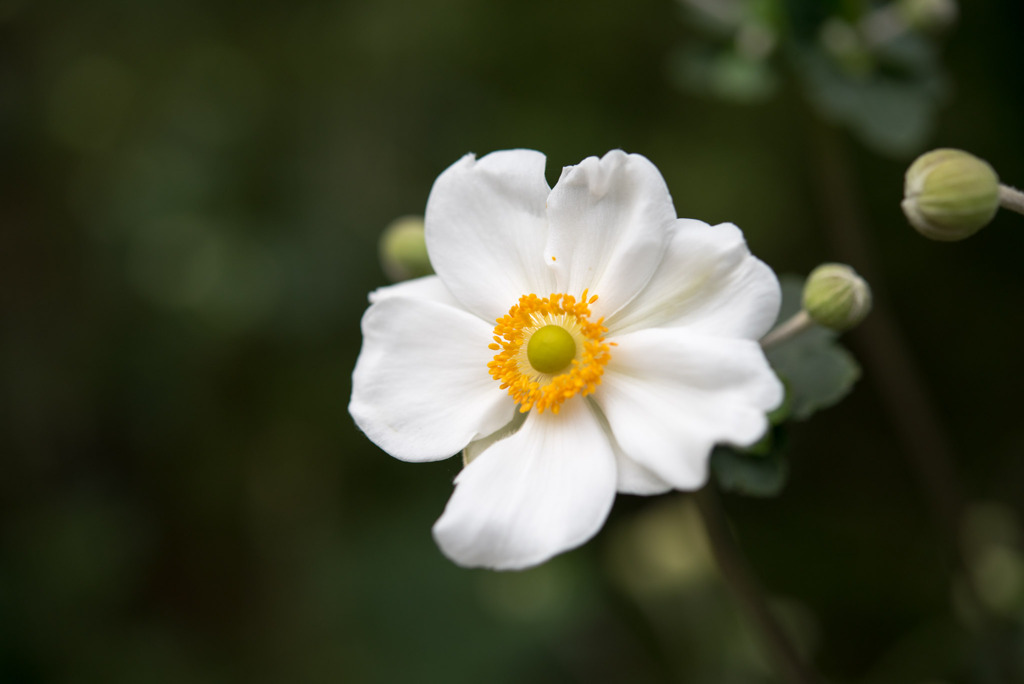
[(889, 102), (748, 473), (817, 371), (723, 74)]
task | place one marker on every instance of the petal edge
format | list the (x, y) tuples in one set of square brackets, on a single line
[(425, 400), (544, 490)]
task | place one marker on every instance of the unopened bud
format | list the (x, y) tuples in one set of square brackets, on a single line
[(950, 194), (845, 44), (928, 15), (836, 297), (403, 249)]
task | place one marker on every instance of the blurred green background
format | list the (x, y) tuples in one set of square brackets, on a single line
[(192, 194)]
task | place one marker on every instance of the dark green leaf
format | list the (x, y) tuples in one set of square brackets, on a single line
[(817, 371), (750, 474), (890, 103), (724, 74)]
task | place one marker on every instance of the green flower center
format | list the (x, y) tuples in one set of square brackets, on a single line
[(551, 349)]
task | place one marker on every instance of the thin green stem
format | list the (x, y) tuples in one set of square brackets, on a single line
[(900, 385), (883, 348), (646, 635), (1011, 198), (748, 591), (788, 329)]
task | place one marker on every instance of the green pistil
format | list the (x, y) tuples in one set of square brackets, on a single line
[(551, 349)]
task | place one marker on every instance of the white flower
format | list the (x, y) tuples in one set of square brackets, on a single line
[(647, 355)]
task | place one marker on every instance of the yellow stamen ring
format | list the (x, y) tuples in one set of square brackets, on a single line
[(562, 375)]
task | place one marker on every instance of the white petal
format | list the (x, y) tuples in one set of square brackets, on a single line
[(478, 446), (709, 282), (544, 490), (428, 288), (420, 389), (609, 222), (486, 227), (632, 478), (670, 396)]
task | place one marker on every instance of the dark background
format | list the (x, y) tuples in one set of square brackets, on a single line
[(190, 198)]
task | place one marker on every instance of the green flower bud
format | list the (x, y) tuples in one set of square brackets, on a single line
[(950, 194), (836, 297), (403, 249), (845, 44), (928, 15)]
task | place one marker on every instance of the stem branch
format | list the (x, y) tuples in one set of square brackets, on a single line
[(789, 328), (1011, 198)]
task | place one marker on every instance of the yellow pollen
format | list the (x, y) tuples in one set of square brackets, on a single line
[(534, 389)]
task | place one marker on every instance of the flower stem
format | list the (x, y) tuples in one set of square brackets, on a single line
[(887, 356), (788, 329), (1011, 198), (748, 591), (890, 362)]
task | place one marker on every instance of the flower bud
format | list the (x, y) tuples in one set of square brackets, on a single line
[(950, 194), (836, 297), (845, 44), (403, 249), (928, 15)]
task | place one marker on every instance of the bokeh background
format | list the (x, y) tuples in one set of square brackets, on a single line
[(192, 194)]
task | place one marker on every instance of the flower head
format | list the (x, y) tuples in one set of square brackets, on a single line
[(577, 341), (403, 249), (950, 195), (836, 297)]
